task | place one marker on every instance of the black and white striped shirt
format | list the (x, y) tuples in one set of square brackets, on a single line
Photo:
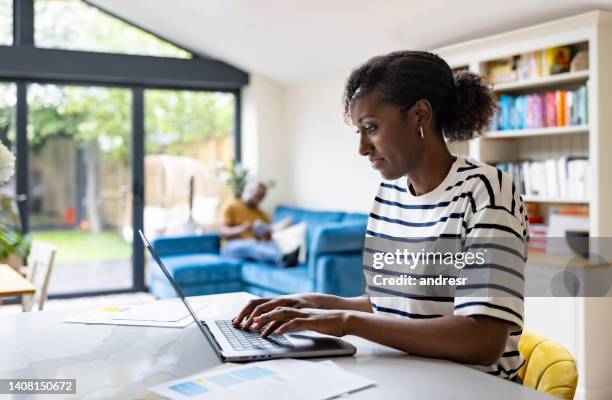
[(480, 207)]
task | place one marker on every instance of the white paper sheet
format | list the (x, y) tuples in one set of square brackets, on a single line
[(266, 380), (158, 311), (163, 313)]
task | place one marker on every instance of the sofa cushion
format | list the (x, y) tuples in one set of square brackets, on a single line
[(190, 269), (313, 219), (163, 289), (355, 217), (282, 280), (339, 237), (187, 244), (291, 238), (261, 292)]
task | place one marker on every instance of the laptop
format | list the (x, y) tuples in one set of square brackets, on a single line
[(234, 344)]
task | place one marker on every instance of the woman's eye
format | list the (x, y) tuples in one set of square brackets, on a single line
[(370, 129)]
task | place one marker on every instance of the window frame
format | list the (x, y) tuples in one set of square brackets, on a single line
[(23, 63)]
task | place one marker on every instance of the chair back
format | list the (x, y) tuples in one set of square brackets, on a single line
[(39, 268), (548, 367)]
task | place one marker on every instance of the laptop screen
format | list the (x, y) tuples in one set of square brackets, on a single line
[(177, 289)]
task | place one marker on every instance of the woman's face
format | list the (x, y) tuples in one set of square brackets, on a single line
[(390, 140)]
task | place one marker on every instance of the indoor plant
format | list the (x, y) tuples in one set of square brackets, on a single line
[(235, 177), (14, 245)]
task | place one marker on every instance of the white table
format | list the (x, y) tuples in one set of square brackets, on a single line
[(121, 362), (12, 283)]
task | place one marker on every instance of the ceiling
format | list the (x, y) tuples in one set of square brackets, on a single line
[(291, 41)]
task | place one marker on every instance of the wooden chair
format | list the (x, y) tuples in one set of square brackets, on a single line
[(39, 268)]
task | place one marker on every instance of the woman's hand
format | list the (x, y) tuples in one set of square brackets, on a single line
[(286, 319), (256, 307)]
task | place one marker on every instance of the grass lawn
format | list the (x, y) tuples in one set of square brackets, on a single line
[(75, 246)]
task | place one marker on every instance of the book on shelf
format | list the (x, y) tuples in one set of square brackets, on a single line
[(537, 237), (550, 237), (582, 211), (556, 60), (502, 70), (530, 65), (555, 178), (565, 223), (541, 110)]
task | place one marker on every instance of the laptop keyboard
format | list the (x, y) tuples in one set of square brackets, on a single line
[(250, 340)]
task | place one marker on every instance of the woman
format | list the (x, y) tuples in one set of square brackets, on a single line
[(403, 104)]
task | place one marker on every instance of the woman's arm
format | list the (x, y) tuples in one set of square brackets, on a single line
[(330, 302), (465, 339), (471, 340)]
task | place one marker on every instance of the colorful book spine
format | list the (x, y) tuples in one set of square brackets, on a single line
[(539, 110), (551, 109)]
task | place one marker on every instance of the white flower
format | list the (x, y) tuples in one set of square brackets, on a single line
[(7, 164)]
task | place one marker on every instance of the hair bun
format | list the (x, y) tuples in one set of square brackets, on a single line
[(473, 106)]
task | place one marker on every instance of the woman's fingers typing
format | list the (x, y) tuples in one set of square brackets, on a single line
[(271, 328), (276, 318), (258, 313), (248, 310), (293, 325), (261, 309)]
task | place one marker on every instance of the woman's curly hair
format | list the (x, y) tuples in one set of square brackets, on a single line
[(462, 103)]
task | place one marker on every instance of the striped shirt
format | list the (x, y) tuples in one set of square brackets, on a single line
[(478, 206)]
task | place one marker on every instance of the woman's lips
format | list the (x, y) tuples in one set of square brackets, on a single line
[(376, 162)]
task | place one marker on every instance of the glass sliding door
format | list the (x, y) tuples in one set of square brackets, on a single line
[(6, 22), (80, 184), (189, 135), (12, 243), (8, 101)]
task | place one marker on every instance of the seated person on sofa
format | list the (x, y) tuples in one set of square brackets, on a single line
[(246, 232)]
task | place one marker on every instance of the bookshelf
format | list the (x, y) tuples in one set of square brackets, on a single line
[(566, 77), (556, 200), (583, 325), (517, 133), (539, 143)]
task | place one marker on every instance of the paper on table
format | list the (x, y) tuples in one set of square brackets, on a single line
[(277, 379), (159, 311), (145, 314)]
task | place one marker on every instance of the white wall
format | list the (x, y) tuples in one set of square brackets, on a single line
[(326, 170), (264, 137), (296, 136)]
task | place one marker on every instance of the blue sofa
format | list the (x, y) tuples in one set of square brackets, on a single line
[(333, 265)]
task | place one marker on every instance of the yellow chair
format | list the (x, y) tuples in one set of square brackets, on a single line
[(548, 367)]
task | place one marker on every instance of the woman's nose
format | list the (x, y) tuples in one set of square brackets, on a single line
[(365, 147)]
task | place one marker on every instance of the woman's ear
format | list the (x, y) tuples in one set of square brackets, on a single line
[(423, 112)]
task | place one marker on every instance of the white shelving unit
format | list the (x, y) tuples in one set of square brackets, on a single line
[(535, 199), (548, 81), (557, 130), (583, 325)]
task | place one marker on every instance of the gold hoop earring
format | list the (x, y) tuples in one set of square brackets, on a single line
[(421, 131)]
